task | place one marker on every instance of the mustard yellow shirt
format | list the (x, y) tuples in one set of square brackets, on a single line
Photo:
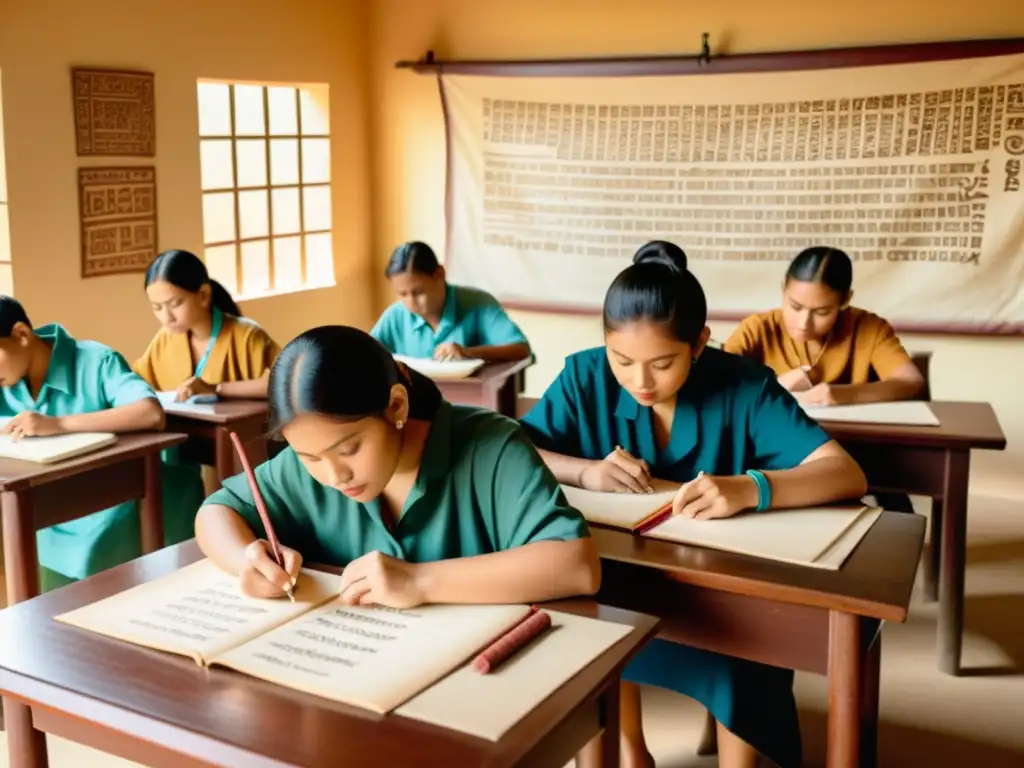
[(243, 351), (861, 348)]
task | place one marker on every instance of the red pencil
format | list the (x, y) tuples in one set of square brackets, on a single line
[(261, 507)]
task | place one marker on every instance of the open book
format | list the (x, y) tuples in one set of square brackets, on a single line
[(371, 657), (913, 413), (46, 450), (442, 370), (820, 537)]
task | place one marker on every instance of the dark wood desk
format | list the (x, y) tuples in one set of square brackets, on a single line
[(209, 431), (36, 496), (826, 622), (933, 462), (496, 386), (163, 710)]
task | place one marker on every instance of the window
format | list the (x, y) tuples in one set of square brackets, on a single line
[(6, 275), (265, 156)]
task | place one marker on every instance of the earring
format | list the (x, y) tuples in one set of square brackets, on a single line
[(399, 424)]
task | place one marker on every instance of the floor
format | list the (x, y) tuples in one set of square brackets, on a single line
[(927, 718)]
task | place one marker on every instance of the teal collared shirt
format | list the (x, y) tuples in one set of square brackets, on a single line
[(84, 376), (471, 318), (731, 415), (481, 488)]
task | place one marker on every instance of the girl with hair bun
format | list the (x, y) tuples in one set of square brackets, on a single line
[(656, 402)]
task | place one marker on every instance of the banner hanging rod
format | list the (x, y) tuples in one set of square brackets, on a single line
[(705, 63)]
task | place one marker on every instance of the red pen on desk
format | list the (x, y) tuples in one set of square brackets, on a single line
[(257, 497), (657, 517), (521, 634)]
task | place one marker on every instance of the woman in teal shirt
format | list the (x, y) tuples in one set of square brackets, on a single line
[(420, 500), (656, 402), (446, 322), (51, 384)]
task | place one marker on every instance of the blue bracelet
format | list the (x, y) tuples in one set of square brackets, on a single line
[(764, 489)]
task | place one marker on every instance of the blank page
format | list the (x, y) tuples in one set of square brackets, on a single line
[(46, 450), (442, 370), (913, 413), (620, 510)]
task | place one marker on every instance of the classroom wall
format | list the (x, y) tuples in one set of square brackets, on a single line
[(408, 131), (298, 41)]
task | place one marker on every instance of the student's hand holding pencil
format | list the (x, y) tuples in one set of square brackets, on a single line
[(618, 472), (707, 497), (262, 577)]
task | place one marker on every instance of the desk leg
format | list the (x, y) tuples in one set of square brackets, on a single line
[(871, 674), (507, 397), (954, 556), (609, 713), (224, 454), (26, 746), (845, 694), (151, 521)]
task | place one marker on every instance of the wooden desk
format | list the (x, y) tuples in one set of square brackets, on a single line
[(209, 431), (933, 462), (164, 710), (827, 622), (36, 496), (496, 386)]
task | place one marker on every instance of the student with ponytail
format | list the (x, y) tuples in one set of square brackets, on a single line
[(205, 346), (656, 402), (421, 501)]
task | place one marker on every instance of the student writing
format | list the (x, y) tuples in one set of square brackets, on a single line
[(655, 401), (436, 319), (52, 384), (420, 500), (822, 349), (204, 346)]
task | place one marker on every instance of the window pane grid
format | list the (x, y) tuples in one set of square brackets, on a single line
[(286, 192)]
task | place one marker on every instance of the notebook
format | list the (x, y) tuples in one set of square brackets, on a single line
[(47, 450), (914, 413), (167, 399), (366, 656), (442, 370), (817, 537)]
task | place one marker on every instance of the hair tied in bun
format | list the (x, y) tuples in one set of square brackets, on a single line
[(662, 252)]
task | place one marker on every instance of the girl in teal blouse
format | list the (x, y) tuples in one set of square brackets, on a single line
[(434, 318), (656, 402), (420, 500), (52, 384)]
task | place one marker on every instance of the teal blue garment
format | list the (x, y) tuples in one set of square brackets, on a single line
[(83, 377), (481, 488), (471, 318), (731, 415)]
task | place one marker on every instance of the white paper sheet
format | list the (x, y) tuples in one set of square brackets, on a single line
[(47, 450), (442, 370), (914, 413)]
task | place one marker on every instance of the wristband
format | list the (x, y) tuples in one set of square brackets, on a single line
[(764, 489)]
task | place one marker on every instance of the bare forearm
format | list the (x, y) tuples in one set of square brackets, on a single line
[(140, 416), (499, 353), (566, 469), (222, 536), (253, 389), (544, 570), (821, 481), (877, 391)]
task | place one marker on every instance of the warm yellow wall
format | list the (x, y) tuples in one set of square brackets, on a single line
[(408, 144), (295, 41)]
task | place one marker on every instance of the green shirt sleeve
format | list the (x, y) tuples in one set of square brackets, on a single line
[(526, 502), (781, 433), (282, 482), (496, 327), (121, 385), (551, 423)]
